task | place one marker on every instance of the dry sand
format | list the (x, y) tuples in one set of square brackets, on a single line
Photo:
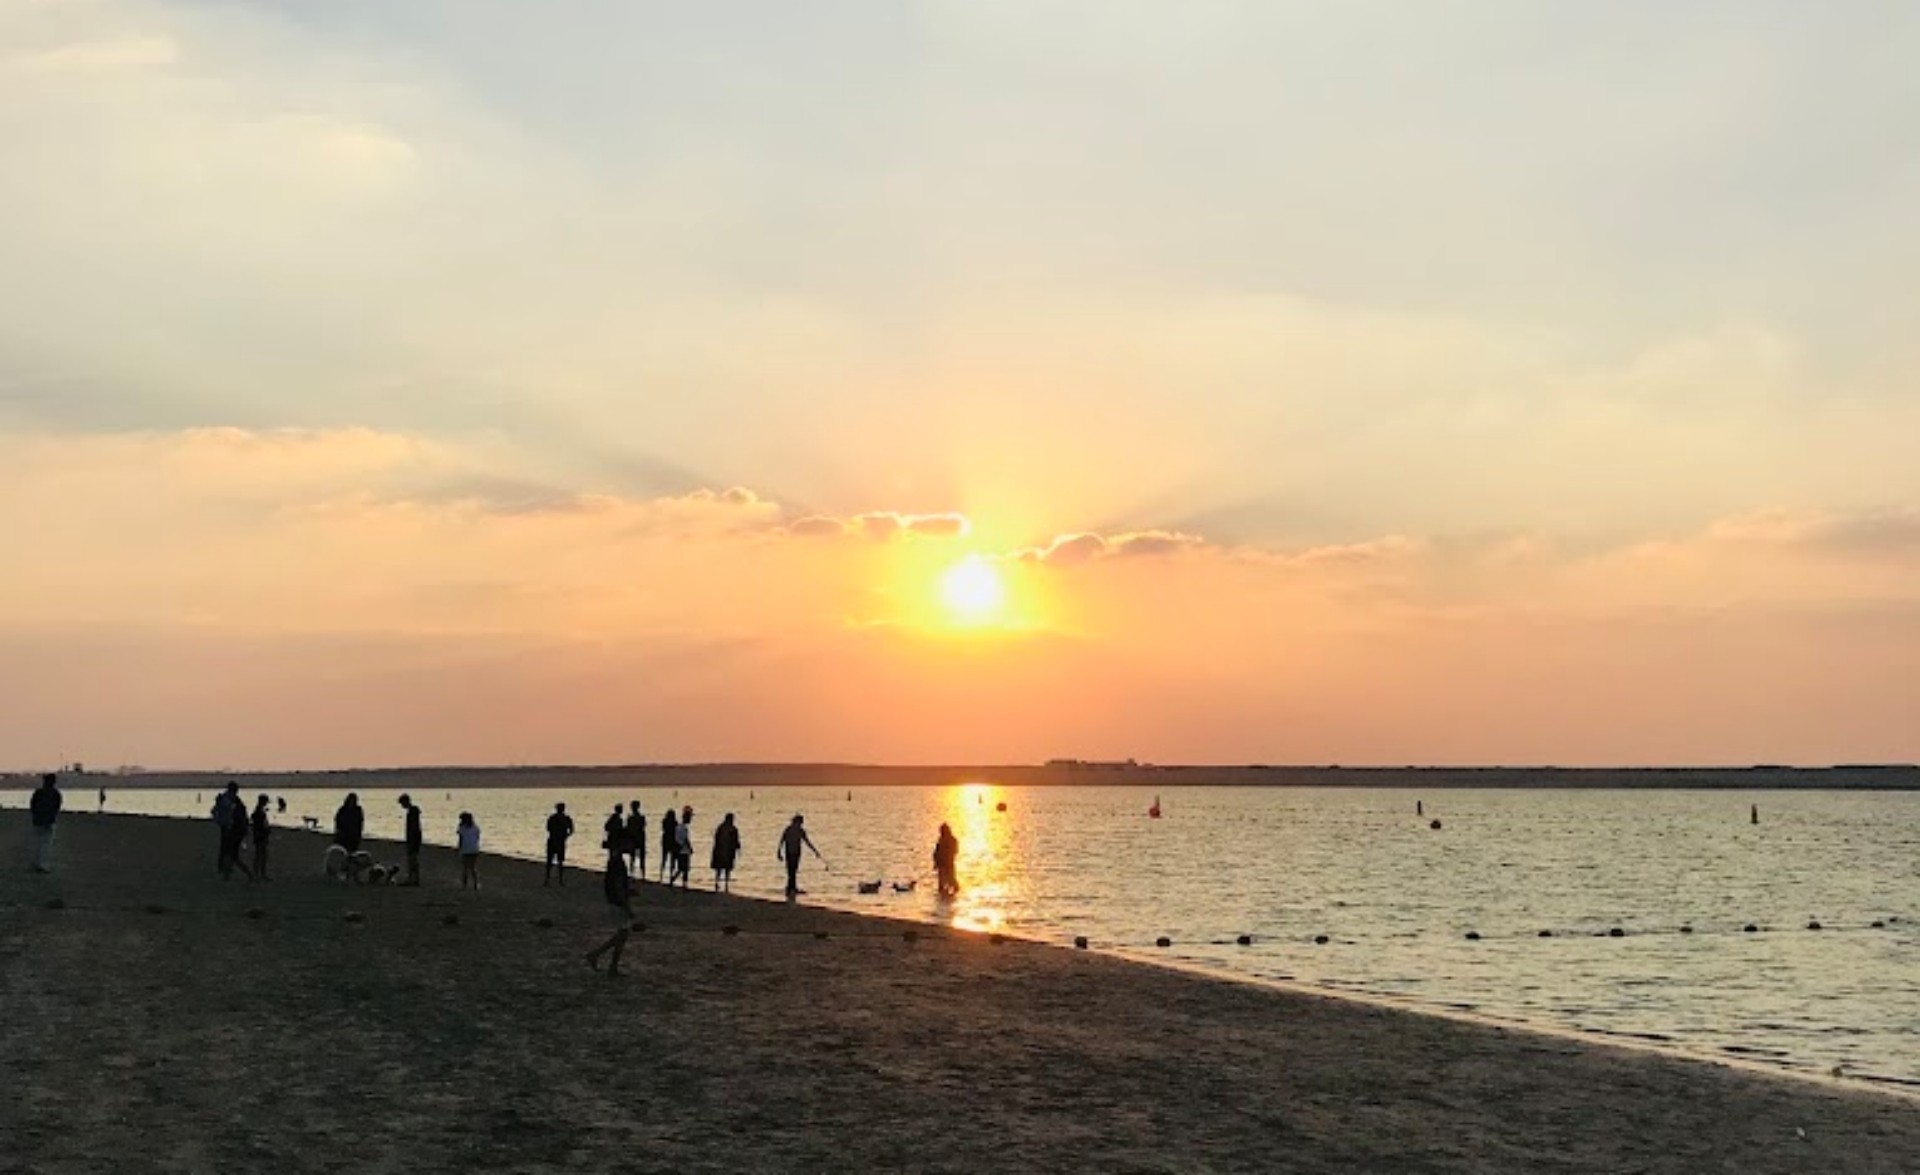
[(198, 1038)]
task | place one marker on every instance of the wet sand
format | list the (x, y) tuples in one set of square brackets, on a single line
[(162, 1020)]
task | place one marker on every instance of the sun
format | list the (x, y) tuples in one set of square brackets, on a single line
[(973, 592)]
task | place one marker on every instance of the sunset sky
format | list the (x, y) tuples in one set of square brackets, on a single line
[(465, 381)]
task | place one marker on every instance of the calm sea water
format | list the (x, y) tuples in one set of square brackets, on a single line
[(1394, 898)]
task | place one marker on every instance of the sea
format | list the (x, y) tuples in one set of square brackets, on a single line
[(1666, 919)]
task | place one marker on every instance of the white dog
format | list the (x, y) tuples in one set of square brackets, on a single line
[(344, 866)]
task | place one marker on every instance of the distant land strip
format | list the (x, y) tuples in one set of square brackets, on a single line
[(1060, 773)]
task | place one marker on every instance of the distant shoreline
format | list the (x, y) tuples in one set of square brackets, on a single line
[(1860, 777)]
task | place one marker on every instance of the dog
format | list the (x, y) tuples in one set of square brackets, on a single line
[(343, 866)]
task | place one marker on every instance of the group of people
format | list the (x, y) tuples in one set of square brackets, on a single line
[(626, 837), (236, 826)]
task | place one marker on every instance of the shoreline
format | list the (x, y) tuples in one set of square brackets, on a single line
[(843, 1039)]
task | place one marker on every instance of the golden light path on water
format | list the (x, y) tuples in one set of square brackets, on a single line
[(987, 861)]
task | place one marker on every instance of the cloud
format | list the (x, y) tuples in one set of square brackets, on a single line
[(133, 51), (1070, 550), (881, 526)]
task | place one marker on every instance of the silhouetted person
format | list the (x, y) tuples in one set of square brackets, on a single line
[(726, 850), (467, 837), (415, 838), (350, 823), (233, 838), (615, 840), (683, 847), (280, 805), (789, 851), (619, 891), (45, 811), (262, 832), (946, 861), (637, 839), (669, 841), (103, 799), (223, 806), (559, 828)]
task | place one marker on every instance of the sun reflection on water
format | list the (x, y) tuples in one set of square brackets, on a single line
[(987, 863)]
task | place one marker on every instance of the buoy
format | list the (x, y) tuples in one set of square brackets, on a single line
[(1879, 925), (1154, 812), (1546, 934), (1001, 806), (1080, 943), (1321, 940), (1616, 932), (1754, 815), (1686, 930), (1750, 928), (1473, 936), (1435, 825), (1245, 940), (1163, 941), (1419, 808), (1814, 925)]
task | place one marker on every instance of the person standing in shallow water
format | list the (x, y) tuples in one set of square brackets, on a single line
[(726, 850), (467, 837), (45, 811), (669, 841), (262, 830), (615, 830), (415, 838), (559, 830), (619, 891), (350, 823), (946, 862), (789, 851), (683, 847), (637, 840)]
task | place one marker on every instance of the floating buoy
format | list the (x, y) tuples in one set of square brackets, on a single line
[(1321, 940), (1686, 930), (1473, 936), (1245, 940), (1616, 932), (1546, 934), (1754, 814), (1419, 808), (1435, 825), (1080, 943), (1750, 928), (1000, 807), (1814, 925), (1163, 941), (1879, 925), (1154, 812)]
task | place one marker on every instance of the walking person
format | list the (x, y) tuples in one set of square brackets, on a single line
[(619, 891), (726, 850), (683, 848), (350, 824), (559, 830), (262, 831), (415, 838), (467, 837), (669, 842), (637, 840), (223, 806), (946, 862), (789, 851), (233, 839), (45, 810)]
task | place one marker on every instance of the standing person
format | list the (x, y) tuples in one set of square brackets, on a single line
[(683, 847), (637, 839), (619, 890), (233, 838), (223, 805), (262, 830), (789, 851), (350, 824), (467, 836), (946, 862), (45, 807), (615, 840), (559, 828), (669, 841), (103, 798), (726, 850), (415, 838)]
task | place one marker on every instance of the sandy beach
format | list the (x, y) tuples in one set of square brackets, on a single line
[(160, 1019)]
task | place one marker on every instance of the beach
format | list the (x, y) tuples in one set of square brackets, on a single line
[(160, 1019)]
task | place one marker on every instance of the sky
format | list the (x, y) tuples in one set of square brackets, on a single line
[(465, 381)]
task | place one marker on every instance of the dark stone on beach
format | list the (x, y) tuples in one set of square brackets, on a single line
[(450, 920), (1813, 925), (56, 903), (543, 923), (1473, 936), (910, 935), (1080, 943), (822, 935), (1163, 941), (154, 909), (1245, 940), (256, 913), (1750, 928), (1321, 940), (1616, 932), (353, 916), (730, 931)]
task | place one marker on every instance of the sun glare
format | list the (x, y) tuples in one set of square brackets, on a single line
[(973, 592)]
